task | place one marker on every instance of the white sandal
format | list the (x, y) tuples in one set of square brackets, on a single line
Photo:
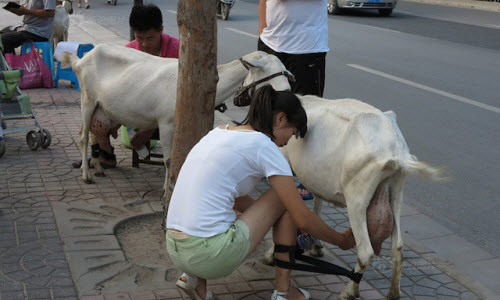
[(189, 287), (283, 295)]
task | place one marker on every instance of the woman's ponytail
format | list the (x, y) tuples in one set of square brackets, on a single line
[(266, 102)]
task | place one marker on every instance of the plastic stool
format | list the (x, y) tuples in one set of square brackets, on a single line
[(47, 53), (67, 73)]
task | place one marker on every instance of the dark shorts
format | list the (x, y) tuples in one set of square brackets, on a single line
[(308, 69)]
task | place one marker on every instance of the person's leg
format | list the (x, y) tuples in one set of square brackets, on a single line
[(265, 212), (285, 233), (309, 72), (11, 40), (6, 29)]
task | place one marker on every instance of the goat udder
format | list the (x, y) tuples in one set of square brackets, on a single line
[(379, 217)]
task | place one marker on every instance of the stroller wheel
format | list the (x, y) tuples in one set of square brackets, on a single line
[(46, 138), (33, 139), (2, 148)]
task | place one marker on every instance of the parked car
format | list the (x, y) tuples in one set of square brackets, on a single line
[(384, 7)]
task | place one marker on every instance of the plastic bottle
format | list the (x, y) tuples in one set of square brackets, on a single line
[(143, 152), (131, 133)]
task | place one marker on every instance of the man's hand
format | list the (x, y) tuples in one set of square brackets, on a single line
[(19, 11), (348, 240), (141, 137)]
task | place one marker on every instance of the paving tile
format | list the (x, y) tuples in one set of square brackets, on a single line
[(64, 292), (93, 297), (304, 281), (117, 296), (444, 291), (168, 294), (261, 285), (19, 295), (371, 295), (317, 294), (336, 287), (40, 293), (423, 291), (148, 295), (239, 287)]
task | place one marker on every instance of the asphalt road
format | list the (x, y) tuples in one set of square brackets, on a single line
[(437, 67)]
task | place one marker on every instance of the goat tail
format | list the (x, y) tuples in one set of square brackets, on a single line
[(69, 59), (426, 171)]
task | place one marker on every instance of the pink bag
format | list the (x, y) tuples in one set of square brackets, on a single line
[(36, 72)]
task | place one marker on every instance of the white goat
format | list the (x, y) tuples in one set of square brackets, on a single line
[(120, 85), (61, 22), (354, 155)]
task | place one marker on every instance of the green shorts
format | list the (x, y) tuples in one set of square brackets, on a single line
[(212, 257)]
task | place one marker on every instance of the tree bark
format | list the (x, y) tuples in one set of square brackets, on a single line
[(197, 81)]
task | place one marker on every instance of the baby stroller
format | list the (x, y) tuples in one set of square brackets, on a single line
[(16, 106)]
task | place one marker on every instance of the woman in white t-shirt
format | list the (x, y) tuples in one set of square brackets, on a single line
[(205, 238)]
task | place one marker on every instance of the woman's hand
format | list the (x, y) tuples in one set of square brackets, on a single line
[(347, 240)]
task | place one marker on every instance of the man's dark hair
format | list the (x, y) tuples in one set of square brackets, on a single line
[(145, 17), (266, 103)]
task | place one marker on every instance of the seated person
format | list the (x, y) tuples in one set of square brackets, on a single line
[(36, 26), (146, 22)]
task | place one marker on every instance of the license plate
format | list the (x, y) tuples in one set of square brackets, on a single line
[(375, 1)]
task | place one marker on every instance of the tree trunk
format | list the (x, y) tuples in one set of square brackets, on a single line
[(197, 81), (132, 36)]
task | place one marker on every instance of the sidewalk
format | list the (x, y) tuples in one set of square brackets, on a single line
[(64, 239)]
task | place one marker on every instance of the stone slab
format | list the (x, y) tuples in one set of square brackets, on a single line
[(95, 219), (94, 242)]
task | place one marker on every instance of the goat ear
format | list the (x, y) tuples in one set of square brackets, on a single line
[(290, 76), (252, 64)]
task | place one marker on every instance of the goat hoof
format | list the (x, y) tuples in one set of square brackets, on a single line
[(100, 174), (393, 296), (346, 296), (316, 251), (88, 180)]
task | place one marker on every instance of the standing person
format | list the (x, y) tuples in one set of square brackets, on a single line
[(296, 31), (36, 25), (87, 6), (205, 238), (146, 22)]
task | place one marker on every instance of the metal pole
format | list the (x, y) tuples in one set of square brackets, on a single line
[(136, 2)]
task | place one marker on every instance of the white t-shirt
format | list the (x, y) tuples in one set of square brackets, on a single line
[(36, 25), (224, 165), (296, 26)]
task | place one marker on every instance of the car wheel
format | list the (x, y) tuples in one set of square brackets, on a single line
[(224, 10), (333, 7), (385, 12)]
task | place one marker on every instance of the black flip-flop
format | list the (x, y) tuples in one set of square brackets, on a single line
[(309, 196)]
